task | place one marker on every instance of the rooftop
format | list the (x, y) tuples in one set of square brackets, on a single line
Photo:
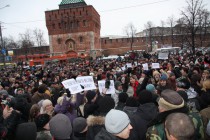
[(71, 1)]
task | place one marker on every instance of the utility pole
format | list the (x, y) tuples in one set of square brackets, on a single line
[(2, 45)]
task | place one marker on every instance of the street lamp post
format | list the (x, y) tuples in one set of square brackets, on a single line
[(2, 43)]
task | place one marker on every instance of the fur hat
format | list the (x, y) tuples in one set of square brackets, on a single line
[(145, 96), (170, 100), (60, 127), (90, 95), (42, 120), (79, 124), (116, 121), (105, 104)]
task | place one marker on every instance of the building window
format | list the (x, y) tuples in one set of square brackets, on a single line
[(49, 17), (116, 40), (122, 39), (84, 23), (80, 39), (111, 41), (71, 25), (77, 23), (53, 25), (59, 24), (105, 41), (80, 13), (86, 12)]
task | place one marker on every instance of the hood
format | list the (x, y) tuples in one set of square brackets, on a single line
[(95, 120), (130, 110), (147, 111)]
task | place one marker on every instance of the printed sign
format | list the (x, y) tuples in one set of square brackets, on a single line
[(72, 85), (101, 87), (129, 65), (155, 65), (163, 56), (87, 82), (145, 66)]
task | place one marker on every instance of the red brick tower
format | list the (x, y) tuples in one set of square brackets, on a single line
[(75, 26)]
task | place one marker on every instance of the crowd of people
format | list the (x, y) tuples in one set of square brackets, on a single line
[(170, 102)]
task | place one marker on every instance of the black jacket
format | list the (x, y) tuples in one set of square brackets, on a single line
[(139, 120), (104, 135)]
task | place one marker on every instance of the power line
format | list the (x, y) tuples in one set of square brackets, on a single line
[(139, 5), (135, 6)]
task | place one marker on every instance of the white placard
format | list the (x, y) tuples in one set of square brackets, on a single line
[(87, 82), (72, 85), (123, 68), (129, 65), (155, 65), (136, 63), (162, 55), (145, 66), (101, 87)]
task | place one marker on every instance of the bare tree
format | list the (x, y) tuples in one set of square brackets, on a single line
[(204, 23), (10, 43), (130, 31), (180, 29), (171, 22), (150, 32), (26, 41), (191, 18), (39, 37)]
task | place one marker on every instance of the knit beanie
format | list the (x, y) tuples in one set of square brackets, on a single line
[(150, 87), (117, 84), (42, 120), (60, 127), (26, 131), (164, 77), (145, 96), (105, 104), (170, 100), (79, 124), (90, 95), (116, 121)]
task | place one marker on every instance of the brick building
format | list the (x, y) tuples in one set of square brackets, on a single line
[(74, 27)]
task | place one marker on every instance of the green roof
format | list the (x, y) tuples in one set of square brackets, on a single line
[(71, 1)]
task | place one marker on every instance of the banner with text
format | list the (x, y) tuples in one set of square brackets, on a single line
[(72, 85), (87, 82), (101, 87)]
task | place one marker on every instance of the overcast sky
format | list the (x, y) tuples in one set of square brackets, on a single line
[(115, 14)]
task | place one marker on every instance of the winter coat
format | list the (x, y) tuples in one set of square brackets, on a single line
[(104, 135), (157, 129), (130, 110), (140, 119), (120, 106), (44, 135), (95, 124), (204, 99), (64, 109)]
